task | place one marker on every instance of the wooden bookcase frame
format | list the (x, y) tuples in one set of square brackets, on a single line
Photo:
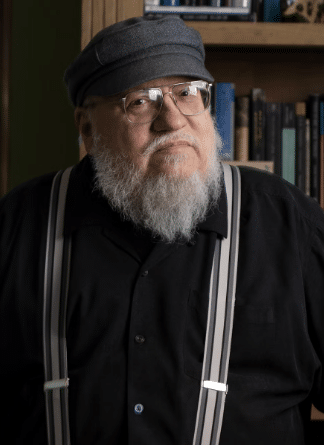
[(5, 42), (285, 59)]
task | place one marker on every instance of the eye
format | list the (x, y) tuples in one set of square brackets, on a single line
[(140, 102), (188, 91)]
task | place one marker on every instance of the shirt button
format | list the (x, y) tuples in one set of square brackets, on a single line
[(139, 339), (145, 273), (139, 408)]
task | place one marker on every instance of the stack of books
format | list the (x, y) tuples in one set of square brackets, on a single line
[(229, 10), (289, 135), (235, 10)]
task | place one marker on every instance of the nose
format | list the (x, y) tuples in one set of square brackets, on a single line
[(170, 117)]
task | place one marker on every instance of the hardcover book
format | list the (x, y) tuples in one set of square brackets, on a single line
[(273, 135), (288, 144), (308, 158), (242, 123), (257, 139), (271, 11), (225, 117), (300, 110), (313, 115), (321, 127)]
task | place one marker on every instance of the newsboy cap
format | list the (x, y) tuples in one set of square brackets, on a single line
[(129, 53)]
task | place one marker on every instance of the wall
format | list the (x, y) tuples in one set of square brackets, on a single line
[(46, 37)]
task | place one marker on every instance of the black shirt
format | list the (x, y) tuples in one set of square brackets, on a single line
[(137, 313)]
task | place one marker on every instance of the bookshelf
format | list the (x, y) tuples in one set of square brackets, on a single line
[(285, 59)]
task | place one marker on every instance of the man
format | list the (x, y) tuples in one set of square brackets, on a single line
[(144, 210)]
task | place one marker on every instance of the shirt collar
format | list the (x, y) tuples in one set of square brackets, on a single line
[(86, 207)]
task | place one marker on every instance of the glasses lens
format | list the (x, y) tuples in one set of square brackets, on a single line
[(143, 106), (192, 97)]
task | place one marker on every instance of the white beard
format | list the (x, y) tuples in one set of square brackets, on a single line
[(170, 207)]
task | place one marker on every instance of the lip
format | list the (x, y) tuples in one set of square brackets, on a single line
[(175, 144)]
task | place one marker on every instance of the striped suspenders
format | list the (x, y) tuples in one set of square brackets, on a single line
[(56, 280), (219, 326), (220, 320)]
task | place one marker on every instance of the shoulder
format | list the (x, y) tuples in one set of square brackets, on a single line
[(273, 193), (27, 196)]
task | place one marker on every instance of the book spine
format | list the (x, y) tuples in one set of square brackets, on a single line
[(170, 3), (308, 158), (321, 127), (239, 3), (257, 140), (313, 114), (242, 123), (271, 11), (152, 2), (300, 110), (288, 135), (225, 117), (273, 135)]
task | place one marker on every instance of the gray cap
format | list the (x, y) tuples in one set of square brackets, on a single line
[(134, 51)]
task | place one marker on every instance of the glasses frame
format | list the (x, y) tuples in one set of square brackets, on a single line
[(123, 99)]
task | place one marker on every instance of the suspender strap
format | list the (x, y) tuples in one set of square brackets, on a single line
[(220, 321), (219, 327), (56, 279)]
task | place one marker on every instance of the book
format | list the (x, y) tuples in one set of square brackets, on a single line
[(321, 132), (152, 2), (198, 9), (225, 117), (273, 135), (313, 114), (257, 139), (308, 158), (170, 3), (242, 123), (271, 11), (300, 110), (288, 142)]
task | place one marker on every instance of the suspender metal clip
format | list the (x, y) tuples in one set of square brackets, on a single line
[(54, 384), (216, 386)]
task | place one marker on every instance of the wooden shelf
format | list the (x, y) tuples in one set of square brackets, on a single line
[(296, 35)]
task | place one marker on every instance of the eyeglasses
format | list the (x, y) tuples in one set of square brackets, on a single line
[(144, 106)]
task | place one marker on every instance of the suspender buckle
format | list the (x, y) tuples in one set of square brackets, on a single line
[(216, 386), (55, 384)]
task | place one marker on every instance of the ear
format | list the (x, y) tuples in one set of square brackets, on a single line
[(84, 126)]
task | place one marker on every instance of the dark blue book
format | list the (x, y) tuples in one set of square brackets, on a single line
[(225, 117), (271, 11), (170, 3)]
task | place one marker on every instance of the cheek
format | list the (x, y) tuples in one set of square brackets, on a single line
[(133, 140), (207, 136)]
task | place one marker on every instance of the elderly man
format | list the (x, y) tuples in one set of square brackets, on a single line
[(144, 211)]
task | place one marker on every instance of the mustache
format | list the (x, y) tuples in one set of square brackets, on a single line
[(160, 141)]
